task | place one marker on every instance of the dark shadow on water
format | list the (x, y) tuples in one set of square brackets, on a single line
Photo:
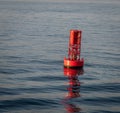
[(73, 89)]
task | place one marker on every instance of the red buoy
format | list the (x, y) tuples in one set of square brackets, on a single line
[(74, 50)]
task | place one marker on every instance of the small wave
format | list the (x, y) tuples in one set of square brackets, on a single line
[(46, 78), (101, 101), (106, 87), (14, 71), (27, 102)]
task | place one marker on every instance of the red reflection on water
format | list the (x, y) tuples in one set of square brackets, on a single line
[(73, 89)]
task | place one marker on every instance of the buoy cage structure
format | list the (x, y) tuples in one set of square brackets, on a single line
[(74, 50)]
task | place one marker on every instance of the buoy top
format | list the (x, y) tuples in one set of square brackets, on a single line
[(75, 37)]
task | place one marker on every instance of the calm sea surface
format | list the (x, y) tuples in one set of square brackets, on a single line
[(33, 42)]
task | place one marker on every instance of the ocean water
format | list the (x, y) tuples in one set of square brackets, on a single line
[(33, 42)]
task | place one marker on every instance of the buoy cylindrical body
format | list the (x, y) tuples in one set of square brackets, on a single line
[(74, 50)]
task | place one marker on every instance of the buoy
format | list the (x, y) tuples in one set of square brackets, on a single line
[(74, 50)]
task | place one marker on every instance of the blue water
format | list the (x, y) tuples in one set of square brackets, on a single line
[(33, 42)]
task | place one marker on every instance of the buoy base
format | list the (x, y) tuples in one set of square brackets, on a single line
[(73, 63)]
